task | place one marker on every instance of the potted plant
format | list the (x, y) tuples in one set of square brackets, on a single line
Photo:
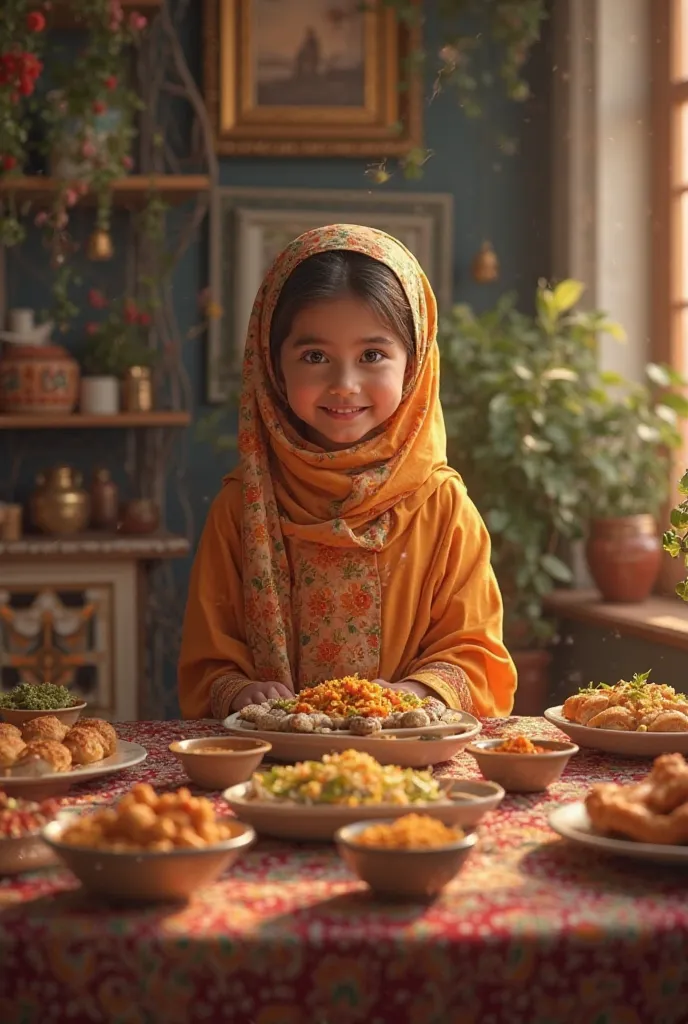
[(628, 478), (519, 394), (675, 540), (112, 346)]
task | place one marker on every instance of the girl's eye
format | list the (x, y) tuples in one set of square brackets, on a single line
[(372, 356), (313, 357)]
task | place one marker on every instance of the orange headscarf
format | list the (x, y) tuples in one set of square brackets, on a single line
[(295, 495)]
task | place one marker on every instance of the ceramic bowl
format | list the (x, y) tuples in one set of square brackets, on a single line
[(147, 876), (212, 768), (20, 717), (408, 874), (523, 773), (25, 853)]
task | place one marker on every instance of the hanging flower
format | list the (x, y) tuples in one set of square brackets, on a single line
[(35, 21)]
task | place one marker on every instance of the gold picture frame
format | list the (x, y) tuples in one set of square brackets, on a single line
[(350, 88)]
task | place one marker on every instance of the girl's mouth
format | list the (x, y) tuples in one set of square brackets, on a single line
[(344, 412)]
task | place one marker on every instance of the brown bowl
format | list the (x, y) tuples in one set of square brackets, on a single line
[(523, 773), (406, 874), (232, 760), (20, 717)]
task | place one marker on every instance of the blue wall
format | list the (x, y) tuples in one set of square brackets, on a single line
[(504, 198)]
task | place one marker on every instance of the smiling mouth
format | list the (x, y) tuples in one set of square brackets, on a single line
[(345, 412)]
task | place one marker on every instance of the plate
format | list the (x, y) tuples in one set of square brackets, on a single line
[(56, 783), (467, 801), (408, 748), (616, 741), (572, 822)]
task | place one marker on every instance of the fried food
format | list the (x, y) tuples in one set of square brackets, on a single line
[(653, 811), (84, 745), (107, 734), (53, 753), (6, 729), (629, 706), (47, 727), (11, 747)]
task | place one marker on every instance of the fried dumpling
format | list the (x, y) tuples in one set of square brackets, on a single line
[(47, 727), (613, 718)]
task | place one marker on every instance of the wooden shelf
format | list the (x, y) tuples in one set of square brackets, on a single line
[(62, 15), (97, 544), (130, 192), (661, 620), (80, 421)]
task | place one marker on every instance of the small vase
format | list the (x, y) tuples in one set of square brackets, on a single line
[(104, 501), (624, 556), (59, 504), (38, 379), (137, 389), (99, 396)]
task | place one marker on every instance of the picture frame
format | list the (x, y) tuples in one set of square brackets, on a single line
[(249, 227), (282, 78)]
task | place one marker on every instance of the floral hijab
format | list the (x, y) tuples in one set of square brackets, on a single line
[(313, 521)]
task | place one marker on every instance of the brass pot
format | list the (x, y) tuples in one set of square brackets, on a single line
[(59, 505), (141, 515)]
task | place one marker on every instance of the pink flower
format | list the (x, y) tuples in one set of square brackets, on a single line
[(88, 149), (91, 328), (96, 299), (127, 163), (41, 219), (137, 21), (71, 197)]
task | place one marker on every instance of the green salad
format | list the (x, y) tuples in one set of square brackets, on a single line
[(42, 697)]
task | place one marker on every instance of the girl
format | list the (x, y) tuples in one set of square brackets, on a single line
[(343, 543)]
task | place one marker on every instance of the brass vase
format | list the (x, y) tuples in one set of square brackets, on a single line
[(59, 504)]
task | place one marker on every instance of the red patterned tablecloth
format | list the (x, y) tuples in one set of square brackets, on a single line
[(533, 931)]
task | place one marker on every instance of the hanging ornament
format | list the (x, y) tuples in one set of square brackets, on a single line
[(485, 266), (100, 247)]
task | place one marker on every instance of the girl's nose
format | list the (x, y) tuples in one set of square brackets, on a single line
[(344, 386)]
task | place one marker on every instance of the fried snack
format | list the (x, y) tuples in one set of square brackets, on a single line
[(48, 727), (653, 811), (144, 820), (53, 753), (85, 745), (11, 747), (411, 832), (107, 734), (635, 705), (6, 729)]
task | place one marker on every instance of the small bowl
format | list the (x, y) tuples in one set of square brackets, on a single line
[(407, 874), (148, 877), (67, 716), (235, 763), (523, 773), (25, 853)]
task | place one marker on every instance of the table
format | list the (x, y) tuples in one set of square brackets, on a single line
[(533, 931)]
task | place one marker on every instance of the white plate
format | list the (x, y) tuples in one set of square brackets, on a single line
[(473, 799), (407, 748), (616, 741), (56, 783), (572, 822)]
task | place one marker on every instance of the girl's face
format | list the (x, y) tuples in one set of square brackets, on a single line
[(343, 371)]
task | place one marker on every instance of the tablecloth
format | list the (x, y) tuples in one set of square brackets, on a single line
[(533, 931)]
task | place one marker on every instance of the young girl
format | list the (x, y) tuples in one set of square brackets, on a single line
[(343, 543)]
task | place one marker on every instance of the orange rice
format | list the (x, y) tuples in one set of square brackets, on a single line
[(353, 696), (412, 832), (518, 745)]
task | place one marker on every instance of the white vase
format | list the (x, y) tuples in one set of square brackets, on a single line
[(99, 396)]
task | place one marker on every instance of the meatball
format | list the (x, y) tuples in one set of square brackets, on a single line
[(414, 719), (321, 722), (393, 721), (107, 734), (302, 723), (251, 712), (340, 722), (53, 753), (450, 717), (85, 745), (10, 749), (48, 727), (360, 726)]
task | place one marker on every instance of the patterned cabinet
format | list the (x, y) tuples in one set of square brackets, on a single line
[(73, 623)]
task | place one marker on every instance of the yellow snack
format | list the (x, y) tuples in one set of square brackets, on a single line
[(412, 832)]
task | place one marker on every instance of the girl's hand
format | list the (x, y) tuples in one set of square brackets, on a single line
[(409, 686), (258, 693)]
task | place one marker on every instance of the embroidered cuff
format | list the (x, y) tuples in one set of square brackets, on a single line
[(223, 691), (449, 682)]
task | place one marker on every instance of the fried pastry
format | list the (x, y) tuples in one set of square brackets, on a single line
[(107, 734), (592, 706), (47, 727), (653, 811), (669, 721), (84, 745), (6, 729), (53, 753), (629, 706), (613, 718), (10, 749)]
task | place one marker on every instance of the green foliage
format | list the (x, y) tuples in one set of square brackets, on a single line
[(675, 540)]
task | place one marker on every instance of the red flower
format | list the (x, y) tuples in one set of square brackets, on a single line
[(26, 85), (131, 313), (35, 21), (137, 21), (9, 162), (96, 299), (111, 82), (145, 319), (99, 107), (92, 328)]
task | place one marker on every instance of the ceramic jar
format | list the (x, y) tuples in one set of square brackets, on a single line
[(141, 515), (38, 380), (624, 556), (99, 396), (59, 504), (104, 501)]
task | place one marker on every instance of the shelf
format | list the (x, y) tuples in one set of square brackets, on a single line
[(97, 544), (129, 192), (79, 421), (62, 15), (661, 620)]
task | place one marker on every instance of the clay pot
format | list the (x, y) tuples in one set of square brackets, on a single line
[(37, 379), (104, 501), (141, 515), (624, 556), (532, 695), (59, 505)]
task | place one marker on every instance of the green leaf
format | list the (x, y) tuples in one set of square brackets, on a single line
[(566, 295), (612, 378), (555, 568), (671, 544), (613, 329), (657, 374), (560, 373), (683, 483), (679, 518), (682, 590)]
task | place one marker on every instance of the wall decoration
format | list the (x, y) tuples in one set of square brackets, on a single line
[(249, 227), (309, 77)]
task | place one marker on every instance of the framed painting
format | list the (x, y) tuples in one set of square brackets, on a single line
[(249, 227), (311, 77)]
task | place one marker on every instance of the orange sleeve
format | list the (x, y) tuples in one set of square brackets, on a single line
[(215, 662), (462, 656)]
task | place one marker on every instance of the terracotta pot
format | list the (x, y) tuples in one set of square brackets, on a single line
[(532, 695), (624, 556), (38, 379), (141, 515)]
